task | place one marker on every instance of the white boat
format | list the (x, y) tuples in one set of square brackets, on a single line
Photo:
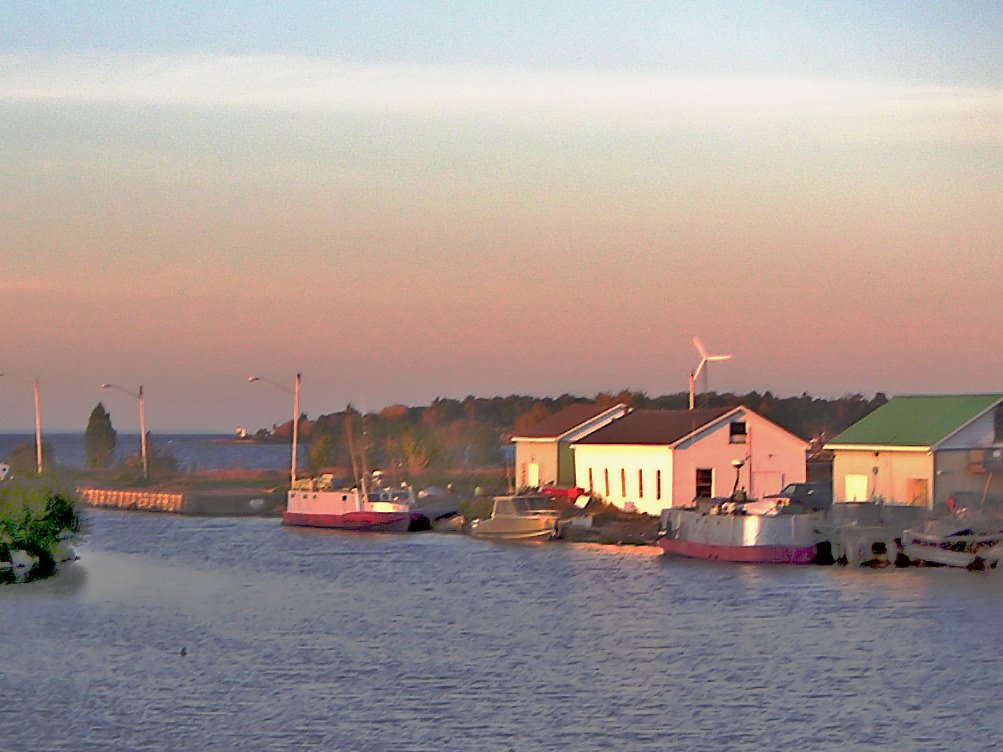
[(520, 517), (315, 502), (760, 531), (972, 542)]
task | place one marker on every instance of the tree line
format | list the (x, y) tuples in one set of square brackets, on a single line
[(475, 432)]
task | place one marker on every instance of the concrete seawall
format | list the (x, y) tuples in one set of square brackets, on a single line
[(223, 502), (146, 501)]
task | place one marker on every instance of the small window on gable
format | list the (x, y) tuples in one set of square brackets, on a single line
[(737, 432)]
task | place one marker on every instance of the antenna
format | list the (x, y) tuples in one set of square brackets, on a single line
[(702, 366)]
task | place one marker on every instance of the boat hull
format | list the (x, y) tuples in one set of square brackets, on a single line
[(363, 521), (750, 538), (510, 534), (747, 554)]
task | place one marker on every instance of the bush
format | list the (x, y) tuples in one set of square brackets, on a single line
[(34, 513)]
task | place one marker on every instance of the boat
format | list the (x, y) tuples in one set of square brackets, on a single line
[(519, 517), (774, 530), (971, 541), (315, 502)]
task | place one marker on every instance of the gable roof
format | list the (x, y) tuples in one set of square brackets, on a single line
[(915, 420), (657, 427), (564, 421)]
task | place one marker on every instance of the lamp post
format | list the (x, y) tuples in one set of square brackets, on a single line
[(296, 416), (142, 423), (38, 424)]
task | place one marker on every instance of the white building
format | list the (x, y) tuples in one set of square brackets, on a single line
[(543, 452), (652, 459), (923, 450)]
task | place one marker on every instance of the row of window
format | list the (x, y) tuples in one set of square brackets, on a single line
[(704, 483), (623, 483)]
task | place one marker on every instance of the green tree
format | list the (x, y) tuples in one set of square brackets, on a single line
[(23, 458), (99, 438), (321, 451)]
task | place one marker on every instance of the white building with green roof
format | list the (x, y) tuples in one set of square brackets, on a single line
[(923, 450)]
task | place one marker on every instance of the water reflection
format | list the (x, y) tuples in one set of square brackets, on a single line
[(299, 639)]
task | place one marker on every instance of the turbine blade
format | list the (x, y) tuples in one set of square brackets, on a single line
[(717, 358), (700, 348)]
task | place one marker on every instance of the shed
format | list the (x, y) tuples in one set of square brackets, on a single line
[(922, 450), (543, 452)]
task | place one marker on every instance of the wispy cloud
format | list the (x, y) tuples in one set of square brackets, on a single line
[(850, 108)]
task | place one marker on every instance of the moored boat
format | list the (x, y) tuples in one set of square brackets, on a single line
[(767, 531), (315, 502), (520, 517), (972, 542)]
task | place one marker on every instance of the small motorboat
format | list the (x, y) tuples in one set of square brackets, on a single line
[(519, 517), (961, 540)]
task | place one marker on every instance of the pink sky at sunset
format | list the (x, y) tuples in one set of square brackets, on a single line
[(398, 230)]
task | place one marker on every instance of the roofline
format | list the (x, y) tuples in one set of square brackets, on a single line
[(968, 422), (702, 426), (748, 411), (878, 447), (675, 444), (576, 427)]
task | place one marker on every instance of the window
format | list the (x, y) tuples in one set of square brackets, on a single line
[(705, 483), (737, 432), (623, 483), (856, 488), (640, 484), (658, 485)]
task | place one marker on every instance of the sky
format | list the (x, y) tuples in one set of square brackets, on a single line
[(411, 200)]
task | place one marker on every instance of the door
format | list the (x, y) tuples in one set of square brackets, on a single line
[(918, 491), (533, 475)]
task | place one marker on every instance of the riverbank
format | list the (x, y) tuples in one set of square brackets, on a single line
[(38, 516)]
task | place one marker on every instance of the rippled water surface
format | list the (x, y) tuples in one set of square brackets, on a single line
[(317, 640)]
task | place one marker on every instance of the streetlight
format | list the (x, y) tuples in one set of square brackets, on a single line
[(38, 423), (142, 423), (296, 416)]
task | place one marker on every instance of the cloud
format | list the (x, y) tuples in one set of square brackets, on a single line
[(848, 109)]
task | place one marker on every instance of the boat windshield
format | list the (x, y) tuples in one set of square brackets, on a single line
[(536, 504)]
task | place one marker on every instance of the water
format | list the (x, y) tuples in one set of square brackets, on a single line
[(320, 640), (193, 451)]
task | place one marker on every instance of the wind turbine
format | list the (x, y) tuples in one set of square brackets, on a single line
[(704, 360)]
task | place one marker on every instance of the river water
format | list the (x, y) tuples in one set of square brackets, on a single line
[(181, 633)]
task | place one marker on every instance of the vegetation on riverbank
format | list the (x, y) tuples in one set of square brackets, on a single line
[(462, 436), (36, 515)]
